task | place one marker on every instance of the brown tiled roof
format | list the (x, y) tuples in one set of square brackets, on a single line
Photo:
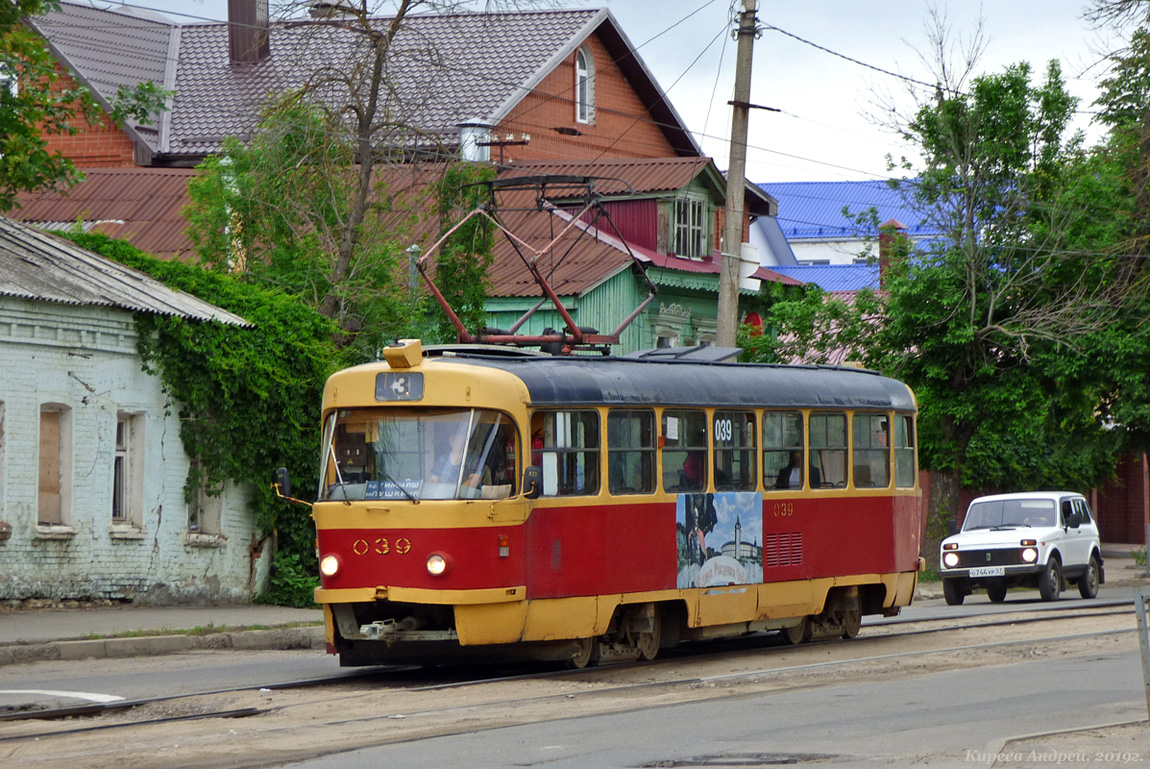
[(446, 69), (140, 205)]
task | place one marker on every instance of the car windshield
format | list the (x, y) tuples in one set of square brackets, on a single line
[(416, 454), (1010, 512)]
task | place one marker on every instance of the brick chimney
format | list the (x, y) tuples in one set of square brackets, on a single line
[(891, 238), (248, 31)]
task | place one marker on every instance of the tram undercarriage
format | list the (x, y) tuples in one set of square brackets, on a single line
[(385, 632)]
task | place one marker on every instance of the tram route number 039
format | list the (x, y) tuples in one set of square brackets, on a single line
[(382, 546), (784, 509)]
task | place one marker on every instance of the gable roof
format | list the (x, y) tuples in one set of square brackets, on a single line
[(814, 210), (478, 66), (41, 267)]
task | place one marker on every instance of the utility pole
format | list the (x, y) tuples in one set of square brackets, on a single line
[(736, 174)]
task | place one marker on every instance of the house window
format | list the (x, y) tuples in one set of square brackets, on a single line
[(203, 508), (127, 470), (690, 228), (54, 496), (584, 86)]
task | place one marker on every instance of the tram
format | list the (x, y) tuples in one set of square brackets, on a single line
[(493, 503)]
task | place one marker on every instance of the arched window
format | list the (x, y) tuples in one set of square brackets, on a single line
[(584, 86)]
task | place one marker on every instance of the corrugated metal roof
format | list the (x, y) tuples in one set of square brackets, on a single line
[(832, 277), (814, 210), (139, 205), (41, 267), (621, 177)]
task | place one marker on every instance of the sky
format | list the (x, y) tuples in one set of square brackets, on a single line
[(831, 108)]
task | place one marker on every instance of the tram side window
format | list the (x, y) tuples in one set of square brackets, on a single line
[(684, 450), (631, 452), (734, 441), (570, 453), (783, 450), (870, 457), (828, 465), (903, 451)]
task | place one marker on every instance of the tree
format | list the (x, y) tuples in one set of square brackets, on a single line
[(34, 103), (314, 204), (275, 210)]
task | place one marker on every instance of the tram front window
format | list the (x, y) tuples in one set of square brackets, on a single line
[(417, 454)]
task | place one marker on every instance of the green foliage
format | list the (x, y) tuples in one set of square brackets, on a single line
[(40, 105), (248, 397), (293, 582), (278, 210)]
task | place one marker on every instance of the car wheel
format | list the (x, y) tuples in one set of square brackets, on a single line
[(952, 592), (996, 593), (1050, 580), (1088, 582)]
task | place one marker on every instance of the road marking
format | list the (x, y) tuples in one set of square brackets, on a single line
[(70, 695)]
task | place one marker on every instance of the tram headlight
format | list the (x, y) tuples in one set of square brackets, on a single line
[(438, 564), (1030, 555), (950, 560), (329, 565)]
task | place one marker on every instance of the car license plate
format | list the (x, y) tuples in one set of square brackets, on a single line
[(988, 571)]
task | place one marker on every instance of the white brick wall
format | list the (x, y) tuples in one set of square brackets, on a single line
[(85, 358)]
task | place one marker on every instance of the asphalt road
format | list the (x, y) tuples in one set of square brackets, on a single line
[(950, 719)]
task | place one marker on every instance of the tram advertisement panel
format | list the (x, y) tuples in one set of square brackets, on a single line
[(719, 538)]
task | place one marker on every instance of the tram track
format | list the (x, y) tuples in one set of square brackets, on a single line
[(599, 683)]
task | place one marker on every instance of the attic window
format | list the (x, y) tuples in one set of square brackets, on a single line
[(584, 86), (689, 228)]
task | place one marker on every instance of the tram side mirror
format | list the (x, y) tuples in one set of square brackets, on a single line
[(1075, 519), (951, 527), (283, 482), (532, 482)]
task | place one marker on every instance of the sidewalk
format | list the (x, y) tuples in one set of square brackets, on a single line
[(28, 635)]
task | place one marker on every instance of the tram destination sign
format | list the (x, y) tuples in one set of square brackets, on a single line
[(395, 386)]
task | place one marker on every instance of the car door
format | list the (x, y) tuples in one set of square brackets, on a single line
[(1077, 540)]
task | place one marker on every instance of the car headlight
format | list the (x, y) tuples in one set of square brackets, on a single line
[(950, 560), (1030, 555), (438, 564), (329, 565)]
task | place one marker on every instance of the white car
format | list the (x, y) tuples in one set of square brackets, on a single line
[(1043, 539)]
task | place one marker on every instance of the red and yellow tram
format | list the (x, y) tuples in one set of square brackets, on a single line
[(495, 504)]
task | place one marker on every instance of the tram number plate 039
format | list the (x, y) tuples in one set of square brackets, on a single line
[(988, 571)]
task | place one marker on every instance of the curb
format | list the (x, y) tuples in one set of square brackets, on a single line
[(278, 639)]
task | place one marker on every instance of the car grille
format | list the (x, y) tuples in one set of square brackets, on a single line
[(969, 559)]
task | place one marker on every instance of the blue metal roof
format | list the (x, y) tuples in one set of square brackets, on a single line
[(814, 210), (833, 277)]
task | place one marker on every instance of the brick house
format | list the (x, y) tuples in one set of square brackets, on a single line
[(92, 468)]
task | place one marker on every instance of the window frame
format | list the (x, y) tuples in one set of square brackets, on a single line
[(868, 451), (648, 456), (818, 450), (685, 448), (584, 85), (784, 447), (592, 454), (749, 476), (690, 227)]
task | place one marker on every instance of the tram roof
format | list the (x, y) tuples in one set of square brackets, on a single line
[(566, 381)]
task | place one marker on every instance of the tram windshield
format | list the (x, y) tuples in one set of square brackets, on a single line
[(415, 454)]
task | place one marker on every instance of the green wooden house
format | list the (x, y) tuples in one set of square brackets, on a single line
[(664, 213)]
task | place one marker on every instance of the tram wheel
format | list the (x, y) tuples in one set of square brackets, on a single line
[(586, 656), (800, 633), (648, 643), (852, 622)]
